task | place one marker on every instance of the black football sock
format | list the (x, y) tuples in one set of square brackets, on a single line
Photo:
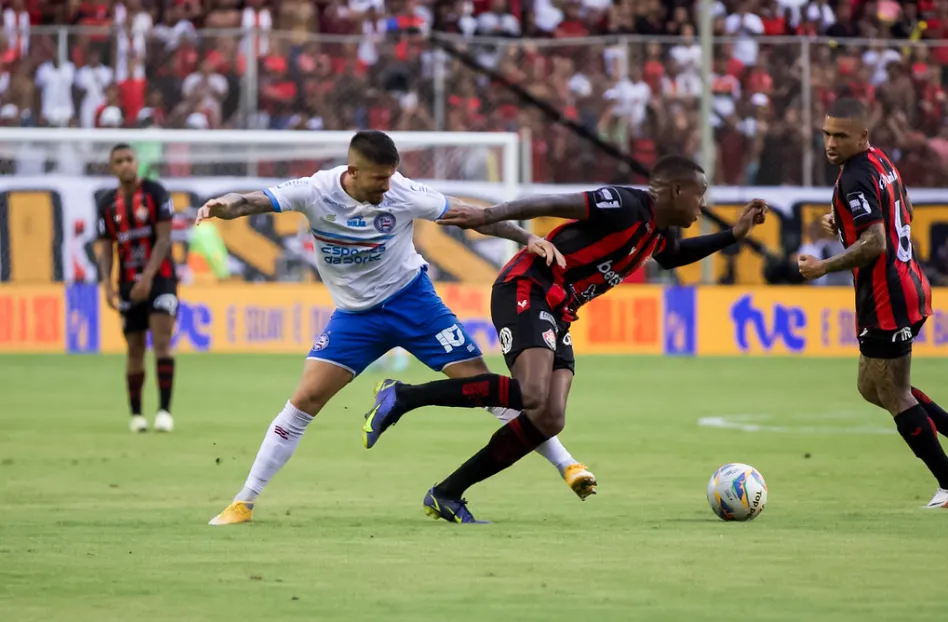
[(134, 381), (165, 382), (935, 412), (508, 444), (483, 390), (919, 434)]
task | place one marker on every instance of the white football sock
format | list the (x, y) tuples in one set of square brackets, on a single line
[(552, 449), (278, 445)]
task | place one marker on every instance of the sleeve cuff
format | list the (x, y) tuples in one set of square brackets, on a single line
[(447, 206), (273, 200)]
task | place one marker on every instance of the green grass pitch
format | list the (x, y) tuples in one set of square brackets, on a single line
[(99, 524)]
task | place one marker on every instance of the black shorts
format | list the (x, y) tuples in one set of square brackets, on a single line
[(162, 299), (523, 319), (875, 343)]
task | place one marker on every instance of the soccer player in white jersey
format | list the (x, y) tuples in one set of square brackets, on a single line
[(361, 216)]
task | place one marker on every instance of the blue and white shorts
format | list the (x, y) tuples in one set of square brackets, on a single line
[(415, 319)]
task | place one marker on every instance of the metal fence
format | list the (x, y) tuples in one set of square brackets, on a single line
[(640, 93)]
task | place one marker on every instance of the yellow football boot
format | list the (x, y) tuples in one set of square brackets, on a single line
[(580, 479), (236, 512)]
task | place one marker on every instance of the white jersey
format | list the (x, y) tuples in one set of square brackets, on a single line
[(367, 253)]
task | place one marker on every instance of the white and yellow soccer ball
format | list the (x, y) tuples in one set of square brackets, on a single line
[(737, 492)]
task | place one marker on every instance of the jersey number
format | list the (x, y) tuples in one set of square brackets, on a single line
[(904, 231), (451, 338)]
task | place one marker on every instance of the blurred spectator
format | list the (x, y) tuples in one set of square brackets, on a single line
[(746, 25), (134, 25), (498, 21), (256, 17), (16, 28), (208, 89), (55, 79), (91, 81)]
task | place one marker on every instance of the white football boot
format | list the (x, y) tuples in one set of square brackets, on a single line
[(939, 501), (138, 424), (164, 422)]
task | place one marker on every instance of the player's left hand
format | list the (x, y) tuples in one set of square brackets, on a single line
[(810, 267), (544, 248), (755, 213), (464, 216), (140, 290)]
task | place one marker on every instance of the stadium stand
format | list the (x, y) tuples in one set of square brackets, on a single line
[(626, 69)]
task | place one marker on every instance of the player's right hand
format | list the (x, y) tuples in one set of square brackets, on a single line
[(111, 298), (211, 209), (464, 216), (828, 222)]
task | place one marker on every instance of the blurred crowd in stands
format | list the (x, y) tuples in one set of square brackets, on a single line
[(345, 64)]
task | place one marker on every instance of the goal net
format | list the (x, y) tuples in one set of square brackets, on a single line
[(50, 179)]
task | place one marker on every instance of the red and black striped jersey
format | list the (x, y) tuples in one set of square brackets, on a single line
[(129, 221), (892, 291), (617, 236)]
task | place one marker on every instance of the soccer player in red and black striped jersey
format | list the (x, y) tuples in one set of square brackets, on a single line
[(871, 213), (136, 218), (612, 232)]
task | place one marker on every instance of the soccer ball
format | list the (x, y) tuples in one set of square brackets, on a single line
[(737, 492)]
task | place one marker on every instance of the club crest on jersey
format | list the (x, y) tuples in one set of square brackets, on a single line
[(607, 198), (384, 222), (358, 221), (321, 342), (506, 340), (141, 214), (549, 337)]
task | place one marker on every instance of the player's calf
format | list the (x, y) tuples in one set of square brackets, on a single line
[(891, 379), (135, 379), (935, 412), (162, 329)]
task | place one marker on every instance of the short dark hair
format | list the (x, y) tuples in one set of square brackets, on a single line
[(119, 147), (847, 108), (672, 167), (376, 147)]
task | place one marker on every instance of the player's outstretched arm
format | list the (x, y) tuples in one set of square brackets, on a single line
[(514, 232), (871, 244), (234, 205), (572, 206), (683, 252)]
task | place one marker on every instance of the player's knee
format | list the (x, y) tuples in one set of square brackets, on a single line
[(136, 351), (896, 400), (867, 389), (162, 347), (533, 395), (309, 401), (550, 421)]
